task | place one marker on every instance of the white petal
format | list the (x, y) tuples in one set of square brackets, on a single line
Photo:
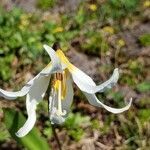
[(83, 81), (86, 84), (13, 95), (37, 91), (55, 65), (93, 100), (67, 101), (28, 124), (34, 96), (49, 69)]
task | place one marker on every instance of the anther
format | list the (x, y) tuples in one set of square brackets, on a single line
[(59, 76)]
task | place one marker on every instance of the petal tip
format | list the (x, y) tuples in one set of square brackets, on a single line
[(116, 70), (45, 46), (129, 103), (18, 134), (116, 75), (131, 99)]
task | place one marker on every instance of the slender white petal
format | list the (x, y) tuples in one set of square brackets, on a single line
[(13, 95), (93, 100), (55, 65), (86, 84), (29, 123), (34, 96)]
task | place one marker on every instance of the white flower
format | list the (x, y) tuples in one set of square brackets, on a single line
[(62, 73)]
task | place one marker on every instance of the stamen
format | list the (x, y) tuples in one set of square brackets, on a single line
[(58, 80), (59, 99), (64, 87)]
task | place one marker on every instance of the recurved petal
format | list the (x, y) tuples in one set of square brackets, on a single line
[(109, 83), (34, 96), (93, 100), (86, 84), (83, 81), (13, 95), (52, 67), (37, 91), (55, 65), (28, 124)]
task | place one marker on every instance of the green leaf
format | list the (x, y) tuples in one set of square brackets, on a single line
[(33, 141), (143, 87)]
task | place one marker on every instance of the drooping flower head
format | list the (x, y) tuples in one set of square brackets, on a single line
[(62, 74)]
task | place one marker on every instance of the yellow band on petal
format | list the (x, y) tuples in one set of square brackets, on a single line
[(64, 59), (49, 65)]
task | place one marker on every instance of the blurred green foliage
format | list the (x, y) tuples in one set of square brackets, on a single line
[(94, 43), (33, 140), (144, 115), (45, 4), (143, 87), (111, 9), (145, 39), (22, 35), (3, 130), (74, 124), (4, 133), (92, 27)]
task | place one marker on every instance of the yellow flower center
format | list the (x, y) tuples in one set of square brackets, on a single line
[(60, 82)]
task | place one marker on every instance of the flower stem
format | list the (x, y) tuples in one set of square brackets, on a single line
[(56, 136)]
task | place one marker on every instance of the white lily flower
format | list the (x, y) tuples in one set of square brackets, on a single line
[(63, 74)]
